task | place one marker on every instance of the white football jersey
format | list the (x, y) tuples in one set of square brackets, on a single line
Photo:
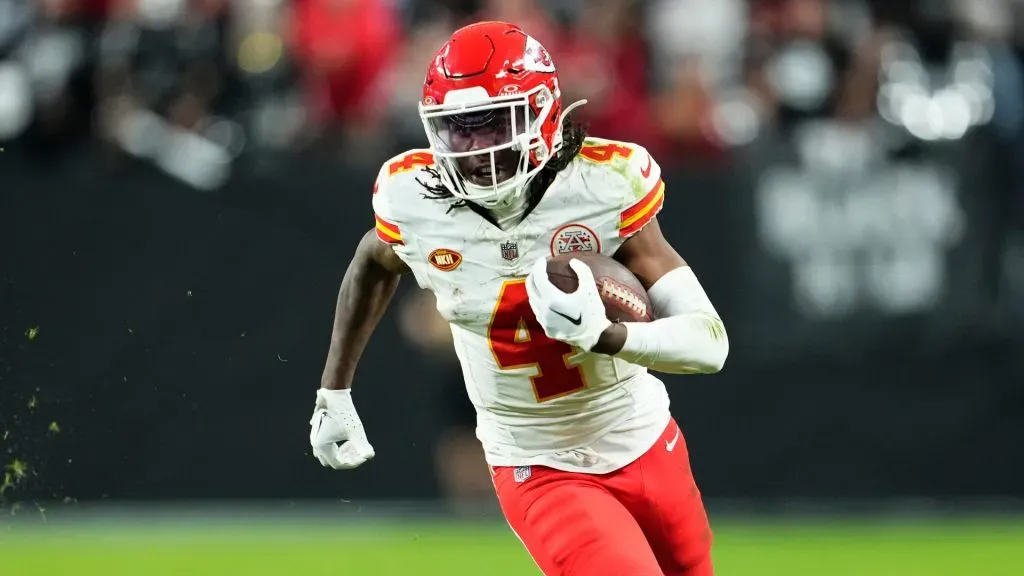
[(538, 401)]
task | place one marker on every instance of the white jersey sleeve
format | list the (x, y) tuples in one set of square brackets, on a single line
[(624, 181), (399, 209), (388, 190), (645, 196)]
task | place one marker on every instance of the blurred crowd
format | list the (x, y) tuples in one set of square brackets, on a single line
[(688, 78)]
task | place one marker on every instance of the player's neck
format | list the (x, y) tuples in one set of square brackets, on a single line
[(507, 217)]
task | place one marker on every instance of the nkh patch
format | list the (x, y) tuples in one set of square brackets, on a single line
[(522, 473)]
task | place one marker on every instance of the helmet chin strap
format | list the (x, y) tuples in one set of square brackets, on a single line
[(570, 108), (556, 145), (501, 200)]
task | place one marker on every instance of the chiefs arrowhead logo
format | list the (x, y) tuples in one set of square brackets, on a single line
[(536, 58)]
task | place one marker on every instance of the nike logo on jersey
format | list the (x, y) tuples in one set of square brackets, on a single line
[(646, 171), (670, 445), (576, 321)]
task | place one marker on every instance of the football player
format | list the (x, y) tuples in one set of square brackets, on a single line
[(591, 471)]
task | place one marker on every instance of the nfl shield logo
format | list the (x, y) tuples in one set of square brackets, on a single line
[(510, 251), (522, 474)]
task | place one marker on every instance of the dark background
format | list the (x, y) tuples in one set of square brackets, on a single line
[(162, 338), (181, 336)]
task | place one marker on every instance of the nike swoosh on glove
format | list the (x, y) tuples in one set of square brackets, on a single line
[(577, 318), (336, 433)]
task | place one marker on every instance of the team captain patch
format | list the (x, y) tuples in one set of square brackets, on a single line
[(574, 239)]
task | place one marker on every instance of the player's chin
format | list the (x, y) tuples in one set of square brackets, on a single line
[(478, 180)]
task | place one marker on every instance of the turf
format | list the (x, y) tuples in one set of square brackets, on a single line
[(741, 548)]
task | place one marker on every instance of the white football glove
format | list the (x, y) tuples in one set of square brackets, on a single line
[(336, 433), (577, 318)]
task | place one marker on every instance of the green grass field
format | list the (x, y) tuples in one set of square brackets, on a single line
[(742, 548)]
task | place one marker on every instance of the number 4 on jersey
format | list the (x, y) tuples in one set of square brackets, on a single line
[(602, 153), (410, 161), (517, 340)]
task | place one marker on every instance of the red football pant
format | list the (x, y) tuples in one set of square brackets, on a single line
[(645, 519)]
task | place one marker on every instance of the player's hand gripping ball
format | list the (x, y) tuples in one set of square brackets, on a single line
[(575, 307), (624, 297), (336, 433)]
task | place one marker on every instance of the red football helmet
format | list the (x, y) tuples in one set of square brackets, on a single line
[(492, 111)]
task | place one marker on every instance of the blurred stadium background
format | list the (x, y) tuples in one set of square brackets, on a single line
[(182, 183)]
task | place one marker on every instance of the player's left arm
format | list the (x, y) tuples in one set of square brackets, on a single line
[(688, 335)]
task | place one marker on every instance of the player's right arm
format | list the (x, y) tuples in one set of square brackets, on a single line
[(336, 432), (366, 290)]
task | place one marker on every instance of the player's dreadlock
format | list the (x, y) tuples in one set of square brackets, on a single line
[(573, 135), (436, 190)]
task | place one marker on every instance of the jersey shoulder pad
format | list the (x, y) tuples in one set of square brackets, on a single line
[(627, 176), (396, 193)]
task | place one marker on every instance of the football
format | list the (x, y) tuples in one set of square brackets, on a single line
[(625, 299)]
